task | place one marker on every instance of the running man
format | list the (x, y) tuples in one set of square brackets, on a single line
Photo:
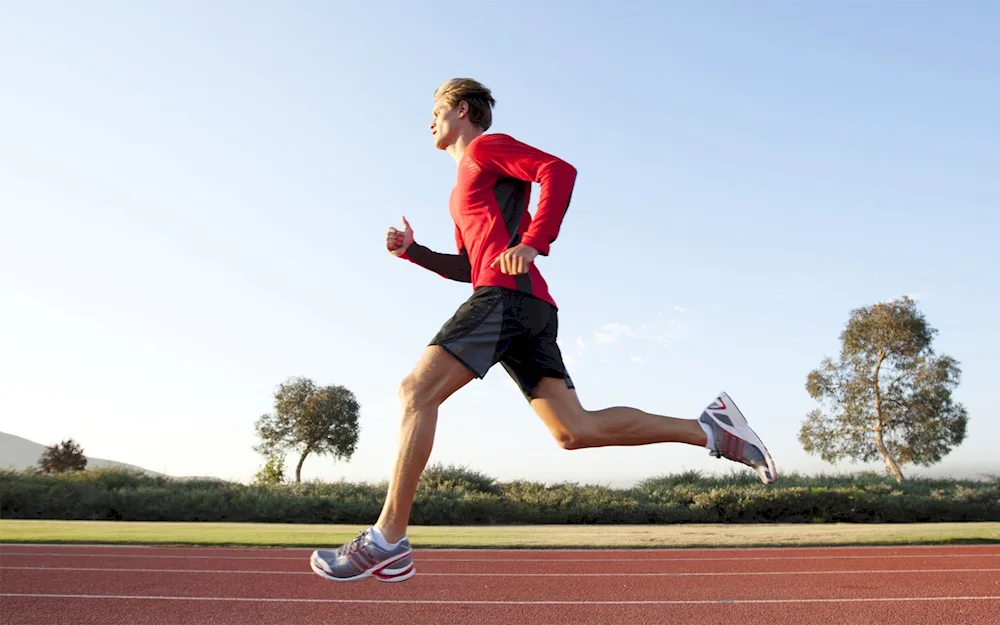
[(510, 319)]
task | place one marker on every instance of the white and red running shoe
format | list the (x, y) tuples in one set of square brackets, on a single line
[(362, 558), (734, 440)]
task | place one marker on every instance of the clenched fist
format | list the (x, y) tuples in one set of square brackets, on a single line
[(397, 241)]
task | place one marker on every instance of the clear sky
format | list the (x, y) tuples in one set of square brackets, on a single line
[(194, 198)]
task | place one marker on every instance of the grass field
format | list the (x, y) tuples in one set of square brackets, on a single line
[(535, 536)]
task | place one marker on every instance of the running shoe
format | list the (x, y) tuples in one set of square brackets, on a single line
[(362, 558), (735, 440)]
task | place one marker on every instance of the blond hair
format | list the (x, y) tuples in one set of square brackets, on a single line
[(475, 94)]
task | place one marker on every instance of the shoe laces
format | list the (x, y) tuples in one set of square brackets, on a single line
[(354, 545)]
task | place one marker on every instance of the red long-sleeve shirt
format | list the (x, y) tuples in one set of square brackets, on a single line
[(489, 205)]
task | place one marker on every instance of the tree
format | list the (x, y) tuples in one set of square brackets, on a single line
[(888, 396), (62, 457), (273, 471), (309, 420)]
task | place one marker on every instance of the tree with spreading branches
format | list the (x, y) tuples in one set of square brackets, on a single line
[(309, 420), (888, 396)]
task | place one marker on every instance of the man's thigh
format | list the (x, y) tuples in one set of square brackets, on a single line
[(436, 377)]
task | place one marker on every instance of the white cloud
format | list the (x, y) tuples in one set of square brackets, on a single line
[(610, 332), (661, 330)]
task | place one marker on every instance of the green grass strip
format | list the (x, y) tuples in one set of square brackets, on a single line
[(533, 536)]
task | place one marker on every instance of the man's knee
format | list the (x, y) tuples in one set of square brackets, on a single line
[(571, 425), (576, 432), (434, 379), (414, 392), (573, 439)]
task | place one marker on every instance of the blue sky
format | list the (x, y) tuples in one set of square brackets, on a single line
[(194, 198)]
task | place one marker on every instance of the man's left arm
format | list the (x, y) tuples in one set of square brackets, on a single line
[(556, 177)]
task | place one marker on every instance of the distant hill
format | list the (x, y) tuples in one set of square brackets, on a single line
[(19, 453)]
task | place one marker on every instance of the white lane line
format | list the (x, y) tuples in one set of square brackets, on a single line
[(501, 602), (664, 574), (425, 556)]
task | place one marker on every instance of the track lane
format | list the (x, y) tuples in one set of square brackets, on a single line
[(452, 555), (809, 587), (573, 589), (31, 611), (514, 566)]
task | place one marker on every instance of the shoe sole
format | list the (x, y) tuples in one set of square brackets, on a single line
[(744, 431), (393, 577), (377, 571)]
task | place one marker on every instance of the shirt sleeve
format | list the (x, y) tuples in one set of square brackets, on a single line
[(451, 266), (505, 155)]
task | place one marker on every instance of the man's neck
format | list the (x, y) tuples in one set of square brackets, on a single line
[(457, 149)]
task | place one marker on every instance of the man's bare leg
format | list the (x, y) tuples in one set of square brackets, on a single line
[(383, 551), (722, 428), (574, 427), (436, 377)]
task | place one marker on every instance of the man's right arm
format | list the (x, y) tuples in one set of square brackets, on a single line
[(451, 266)]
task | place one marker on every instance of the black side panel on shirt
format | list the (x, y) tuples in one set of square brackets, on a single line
[(512, 197)]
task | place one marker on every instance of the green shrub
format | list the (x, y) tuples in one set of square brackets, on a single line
[(458, 495)]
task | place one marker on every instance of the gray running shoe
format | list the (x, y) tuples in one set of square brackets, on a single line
[(735, 440), (362, 558)]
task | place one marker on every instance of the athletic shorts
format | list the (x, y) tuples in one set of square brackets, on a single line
[(515, 329)]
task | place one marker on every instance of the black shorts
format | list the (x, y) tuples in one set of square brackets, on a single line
[(515, 329)]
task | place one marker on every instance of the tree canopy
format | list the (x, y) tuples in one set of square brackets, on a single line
[(65, 456), (309, 419), (888, 396)]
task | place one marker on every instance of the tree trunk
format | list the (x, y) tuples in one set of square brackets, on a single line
[(298, 468), (890, 463)]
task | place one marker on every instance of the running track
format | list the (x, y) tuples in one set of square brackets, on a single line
[(46, 584)]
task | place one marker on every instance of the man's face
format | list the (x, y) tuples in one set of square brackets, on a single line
[(445, 123)]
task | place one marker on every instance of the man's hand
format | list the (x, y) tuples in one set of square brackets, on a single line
[(397, 241), (515, 261)]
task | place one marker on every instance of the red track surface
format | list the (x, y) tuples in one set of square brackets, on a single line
[(42, 584)]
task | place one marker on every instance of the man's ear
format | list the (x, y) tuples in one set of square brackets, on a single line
[(463, 109)]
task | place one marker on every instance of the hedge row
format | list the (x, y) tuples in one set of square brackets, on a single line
[(453, 496)]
